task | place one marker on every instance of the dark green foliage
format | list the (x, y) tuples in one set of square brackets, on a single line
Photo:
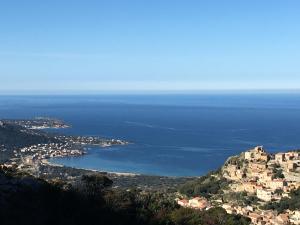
[(277, 173), (292, 203), (214, 216), (204, 186), (16, 136), (278, 191), (235, 160), (26, 200), (240, 198), (93, 184), (155, 207)]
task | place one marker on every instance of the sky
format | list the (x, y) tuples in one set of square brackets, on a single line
[(158, 45)]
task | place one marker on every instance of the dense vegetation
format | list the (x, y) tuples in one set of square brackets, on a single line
[(213, 216), (241, 198), (291, 203), (277, 174), (205, 186), (235, 160), (26, 200), (91, 199)]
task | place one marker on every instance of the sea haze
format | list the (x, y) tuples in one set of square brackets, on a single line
[(174, 135)]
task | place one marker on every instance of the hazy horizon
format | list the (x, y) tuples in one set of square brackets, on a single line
[(151, 92)]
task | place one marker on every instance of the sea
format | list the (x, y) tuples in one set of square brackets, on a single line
[(169, 134)]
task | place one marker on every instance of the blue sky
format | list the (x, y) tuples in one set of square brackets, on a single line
[(58, 46)]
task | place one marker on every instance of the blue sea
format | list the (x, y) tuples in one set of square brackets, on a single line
[(173, 135)]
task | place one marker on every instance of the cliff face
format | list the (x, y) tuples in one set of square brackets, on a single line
[(234, 167), (235, 160), (247, 164)]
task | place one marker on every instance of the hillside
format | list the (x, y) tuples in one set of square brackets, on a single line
[(91, 200), (73, 196), (261, 186), (14, 136)]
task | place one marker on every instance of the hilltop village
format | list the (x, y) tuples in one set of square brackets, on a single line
[(261, 177)]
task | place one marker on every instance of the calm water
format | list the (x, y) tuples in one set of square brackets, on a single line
[(174, 135)]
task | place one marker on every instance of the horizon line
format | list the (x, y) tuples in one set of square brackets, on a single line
[(148, 92)]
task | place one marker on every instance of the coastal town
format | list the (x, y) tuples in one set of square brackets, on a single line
[(29, 158), (38, 123), (34, 155), (265, 177)]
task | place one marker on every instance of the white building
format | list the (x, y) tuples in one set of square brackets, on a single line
[(295, 218), (265, 194)]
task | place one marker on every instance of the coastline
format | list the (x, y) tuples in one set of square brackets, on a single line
[(121, 180), (47, 162)]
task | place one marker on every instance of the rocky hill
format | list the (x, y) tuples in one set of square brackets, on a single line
[(256, 184)]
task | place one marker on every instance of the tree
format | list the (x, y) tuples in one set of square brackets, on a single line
[(94, 184)]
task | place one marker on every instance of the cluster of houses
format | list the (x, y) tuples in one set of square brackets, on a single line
[(199, 203), (257, 216), (39, 123), (90, 140), (66, 146), (264, 217), (269, 177), (45, 151)]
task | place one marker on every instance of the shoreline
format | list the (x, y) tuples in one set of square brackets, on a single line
[(48, 163), (131, 174), (121, 180)]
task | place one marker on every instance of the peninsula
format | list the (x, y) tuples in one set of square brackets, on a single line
[(28, 146)]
